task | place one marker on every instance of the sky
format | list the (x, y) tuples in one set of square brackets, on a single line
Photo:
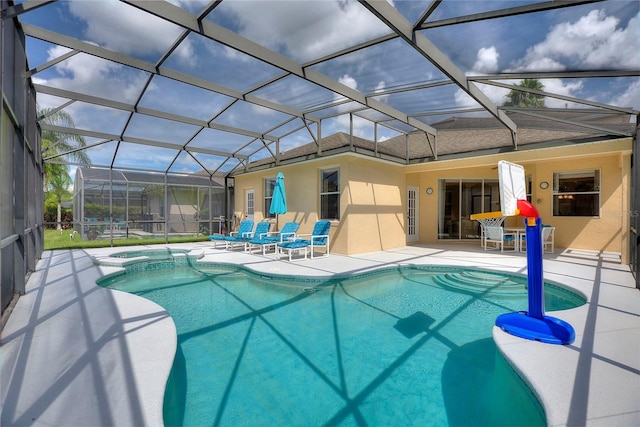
[(596, 36)]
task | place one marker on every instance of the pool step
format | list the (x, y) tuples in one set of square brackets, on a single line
[(483, 282)]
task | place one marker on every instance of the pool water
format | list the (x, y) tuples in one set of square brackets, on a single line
[(161, 254), (408, 346)]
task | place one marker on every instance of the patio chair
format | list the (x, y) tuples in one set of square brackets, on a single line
[(244, 238), (245, 227), (548, 240), (319, 237), (495, 237), (489, 222), (266, 240)]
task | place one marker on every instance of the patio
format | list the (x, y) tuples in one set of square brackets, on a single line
[(78, 354)]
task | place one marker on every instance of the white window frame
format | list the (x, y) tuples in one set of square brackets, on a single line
[(559, 193)]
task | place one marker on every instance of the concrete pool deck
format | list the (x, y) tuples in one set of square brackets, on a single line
[(76, 354)]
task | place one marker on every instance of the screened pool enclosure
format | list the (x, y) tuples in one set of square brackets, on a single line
[(221, 88), (116, 205)]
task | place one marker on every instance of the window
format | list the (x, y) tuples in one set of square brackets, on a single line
[(576, 193), (269, 185), (330, 194)]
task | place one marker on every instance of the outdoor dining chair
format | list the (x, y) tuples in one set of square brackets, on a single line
[(496, 237), (548, 240)]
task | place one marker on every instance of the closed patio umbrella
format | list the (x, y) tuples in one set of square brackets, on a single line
[(279, 199)]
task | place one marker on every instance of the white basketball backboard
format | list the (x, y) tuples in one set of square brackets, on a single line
[(512, 186)]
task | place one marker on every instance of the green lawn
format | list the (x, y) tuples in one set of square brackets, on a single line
[(53, 239)]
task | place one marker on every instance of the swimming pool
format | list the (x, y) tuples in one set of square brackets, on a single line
[(405, 346)]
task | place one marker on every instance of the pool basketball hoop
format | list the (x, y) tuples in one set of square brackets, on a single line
[(532, 324)]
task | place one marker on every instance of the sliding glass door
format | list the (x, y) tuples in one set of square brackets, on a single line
[(459, 199)]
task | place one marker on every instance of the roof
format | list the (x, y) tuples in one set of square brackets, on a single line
[(130, 177), (469, 136), (218, 86)]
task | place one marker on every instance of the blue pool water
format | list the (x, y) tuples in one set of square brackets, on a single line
[(160, 254), (403, 347)]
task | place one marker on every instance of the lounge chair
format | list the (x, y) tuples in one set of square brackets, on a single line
[(495, 237), (244, 238), (319, 237), (548, 243), (245, 226), (266, 240)]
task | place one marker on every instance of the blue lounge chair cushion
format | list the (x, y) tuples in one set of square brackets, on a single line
[(289, 230), (321, 228), (261, 228), (318, 236), (296, 244), (244, 228), (265, 240)]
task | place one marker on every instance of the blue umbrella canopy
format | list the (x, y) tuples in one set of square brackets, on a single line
[(279, 199)]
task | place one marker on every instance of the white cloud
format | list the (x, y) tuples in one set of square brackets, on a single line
[(538, 64), (630, 98), (499, 95), (348, 81), (351, 83), (361, 127), (128, 30), (121, 28), (47, 101), (88, 74), (560, 87), (487, 60), (593, 41), (486, 63), (380, 87), (617, 47), (496, 94), (305, 30), (95, 76), (192, 5)]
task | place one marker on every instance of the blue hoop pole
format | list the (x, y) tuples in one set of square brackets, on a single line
[(533, 324), (533, 228)]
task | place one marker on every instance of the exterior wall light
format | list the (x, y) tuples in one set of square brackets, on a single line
[(429, 190), (544, 185)]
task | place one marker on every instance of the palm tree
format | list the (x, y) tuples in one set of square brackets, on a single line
[(56, 143), (522, 99), (58, 186), (56, 175)]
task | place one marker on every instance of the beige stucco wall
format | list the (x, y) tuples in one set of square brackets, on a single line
[(374, 193), (375, 205), (608, 232), (371, 203)]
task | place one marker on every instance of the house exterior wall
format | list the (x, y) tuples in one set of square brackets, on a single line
[(375, 209), (302, 186), (373, 202), (608, 232)]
